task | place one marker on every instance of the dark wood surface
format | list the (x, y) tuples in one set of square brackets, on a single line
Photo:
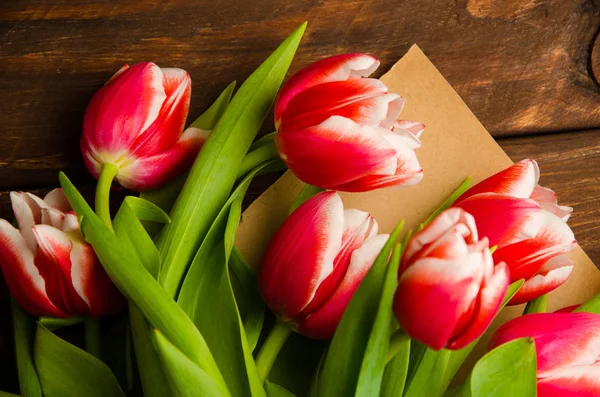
[(529, 69)]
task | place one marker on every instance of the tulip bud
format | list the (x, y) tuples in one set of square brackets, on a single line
[(529, 229), (315, 262), (337, 130), (567, 347), (136, 121), (48, 267), (449, 289)]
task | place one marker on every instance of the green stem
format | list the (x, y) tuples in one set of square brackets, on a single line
[(108, 173), (538, 305), (450, 200), (24, 334), (92, 336), (270, 349), (253, 159), (397, 343), (264, 140)]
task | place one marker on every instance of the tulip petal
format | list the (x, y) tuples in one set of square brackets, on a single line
[(53, 217), (301, 253), (151, 172), (563, 340), (27, 214), (122, 109), (526, 257), (490, 300), (358, 226), (550, 276), (335, 152), (169, 123), (446, 290), (92, 283), (365, 101), (504, 219), (433, 232), (413, 127), (518, 180), (322, 323), (21, 275), (581, 381), (56, 199), (336, 68), (53, 261)]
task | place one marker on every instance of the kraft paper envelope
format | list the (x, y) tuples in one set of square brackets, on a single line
[(455, 145)]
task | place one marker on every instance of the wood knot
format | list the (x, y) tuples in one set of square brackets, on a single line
[(594, 61)]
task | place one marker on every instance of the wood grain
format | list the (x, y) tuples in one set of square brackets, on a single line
[(523, 66)]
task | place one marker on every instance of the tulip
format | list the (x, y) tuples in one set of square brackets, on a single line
[(567, 347), (315, 262), (526, 224), (337, 130), (48, 267), (449, 289), (135, 123)]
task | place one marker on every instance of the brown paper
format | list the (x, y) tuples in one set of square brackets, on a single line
[(455, 145)]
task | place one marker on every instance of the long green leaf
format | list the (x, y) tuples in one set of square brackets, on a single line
[(374, 359), (274, 390), (245, 288), (66, 370), (165, 196), (457, 357), (428, 376), (219, 321), (185, 378), (394, 377), (216, 168), (508, 370), (538, 305), (125, 269), (346, 356), (24, 330)]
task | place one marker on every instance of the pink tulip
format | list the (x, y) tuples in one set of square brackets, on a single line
[(449, 289), (48, 267), (136, 121), (568, 351), (315, 262), (338, 130), (524, 221)]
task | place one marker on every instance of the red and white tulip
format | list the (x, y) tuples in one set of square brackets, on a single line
[(136, 121), (567, 347), (315, 262), (48, 267), (449, 289), (337, 130), (527, 225)]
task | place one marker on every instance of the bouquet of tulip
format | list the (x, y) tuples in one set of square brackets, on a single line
[(170, 307)]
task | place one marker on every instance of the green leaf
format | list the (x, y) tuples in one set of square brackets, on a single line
[(220, 321), (54, 323), (355, 361), (66, 370), (129, 274), (165, 196), (429, 373), (24, 329), (538, 305), (129, 229), (185, 378), (216, 168), (458, 357), (267, 139), (151, 372), (211, 116), (5, 394), (396, 370), (247, 297), (274, 390), (508, 370), (145, 210), (307, 192), (449, 201)]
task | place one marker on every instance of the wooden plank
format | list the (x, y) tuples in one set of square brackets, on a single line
[(522, 66)]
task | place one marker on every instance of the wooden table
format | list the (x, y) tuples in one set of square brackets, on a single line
[(528, 69)]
